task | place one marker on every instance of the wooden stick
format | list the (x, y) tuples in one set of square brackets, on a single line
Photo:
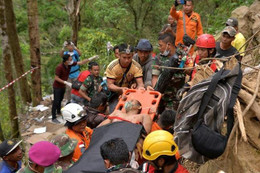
[(241, 121), (250, 38)]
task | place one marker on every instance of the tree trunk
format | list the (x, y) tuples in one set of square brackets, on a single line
[(8, 73), (2, 138), (16, 50), (75, 21), (34, 50)]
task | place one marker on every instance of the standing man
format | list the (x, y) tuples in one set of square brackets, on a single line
[(121, 72), (145, 59), (170, 27), (224, 47), (11, 154), (60, 82), (239, 37), (75, 53), (192, 21), (177, 79)]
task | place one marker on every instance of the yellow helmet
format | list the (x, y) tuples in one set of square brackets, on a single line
[(159, 143)]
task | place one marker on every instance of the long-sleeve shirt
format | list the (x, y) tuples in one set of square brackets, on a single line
[(193, 25)]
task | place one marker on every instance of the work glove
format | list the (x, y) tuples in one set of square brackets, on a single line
[(65, 44), (180, 93), (93, 58), (68, 84)]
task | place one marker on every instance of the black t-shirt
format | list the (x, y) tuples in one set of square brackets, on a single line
[(225, 53)]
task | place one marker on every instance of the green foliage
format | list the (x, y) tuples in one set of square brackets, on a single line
[(65, 33), (93, 42)]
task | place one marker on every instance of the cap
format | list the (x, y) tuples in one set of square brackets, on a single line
[(65, 143), (125, 48), (144, 45), (230, 31), (8, 146), (44, 153), (232, 22)]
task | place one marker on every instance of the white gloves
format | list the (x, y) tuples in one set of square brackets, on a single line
[(93, 58), (68, 84), (65, 44)]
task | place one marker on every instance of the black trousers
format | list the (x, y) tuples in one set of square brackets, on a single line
[(58, 97)]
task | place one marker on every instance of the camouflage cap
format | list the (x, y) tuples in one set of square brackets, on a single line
[(230, 31), (65, 143)]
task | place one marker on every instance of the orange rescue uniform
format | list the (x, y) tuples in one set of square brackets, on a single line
[(83, 141), (193, 25)]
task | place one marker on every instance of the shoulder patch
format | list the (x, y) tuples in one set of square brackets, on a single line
[(136, 64), (113, 64)]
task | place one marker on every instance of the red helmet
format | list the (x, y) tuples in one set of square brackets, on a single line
[(206, 41)]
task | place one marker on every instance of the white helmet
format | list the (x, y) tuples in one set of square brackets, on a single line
[(72, 112)]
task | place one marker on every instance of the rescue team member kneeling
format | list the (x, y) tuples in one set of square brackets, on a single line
[(76, 122), (121, 73), (160, 149)]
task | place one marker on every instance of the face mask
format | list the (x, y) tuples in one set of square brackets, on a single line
[(71, 62), (166, 52), (128, 106)]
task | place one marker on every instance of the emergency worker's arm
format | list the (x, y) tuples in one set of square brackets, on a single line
[(84, 95), (112, 87), (79, 52), (140, 83), (174, 13), (58, 79), (154, 80), (147, 123)]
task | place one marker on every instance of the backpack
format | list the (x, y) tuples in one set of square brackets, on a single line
[(201, 112)]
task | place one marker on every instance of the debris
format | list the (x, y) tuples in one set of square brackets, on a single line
[(39, 130)]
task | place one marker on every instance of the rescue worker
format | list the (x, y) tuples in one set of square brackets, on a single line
[(96, 110), (167, 53), (42, 156), (192, 25), (60, 81), (170, 27), (239, 37), (144, 58), (70, 49), (224, 47), (67, 146), (116, 156), (75, 118), (121, 73), (165, 121), (160, 149), (92, 84), (11, 154), (206, 48)]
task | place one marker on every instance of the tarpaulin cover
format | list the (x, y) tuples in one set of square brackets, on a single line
[(91, 160)]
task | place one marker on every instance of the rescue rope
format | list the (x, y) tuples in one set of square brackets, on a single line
[(15, 80)]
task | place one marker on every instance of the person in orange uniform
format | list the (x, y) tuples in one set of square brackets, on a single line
[(192, 21), (76, 122)]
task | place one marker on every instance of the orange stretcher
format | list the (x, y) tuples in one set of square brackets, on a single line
[(148, 99)]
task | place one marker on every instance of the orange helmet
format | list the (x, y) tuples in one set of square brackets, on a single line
[(206, 41)]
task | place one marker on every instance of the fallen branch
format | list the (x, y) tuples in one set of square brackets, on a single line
[(241, 121), (244, 113)]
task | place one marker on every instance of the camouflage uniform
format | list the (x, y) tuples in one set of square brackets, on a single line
[(51, 169), (91, 85), (67, 145), (169, 100)]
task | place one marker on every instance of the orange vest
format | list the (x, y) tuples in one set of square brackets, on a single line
[(83, 141)]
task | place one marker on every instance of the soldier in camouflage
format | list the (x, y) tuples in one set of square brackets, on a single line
[(67, 146), (167, 53)]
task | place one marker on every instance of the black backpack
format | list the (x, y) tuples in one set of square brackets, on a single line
[(201, 113)]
